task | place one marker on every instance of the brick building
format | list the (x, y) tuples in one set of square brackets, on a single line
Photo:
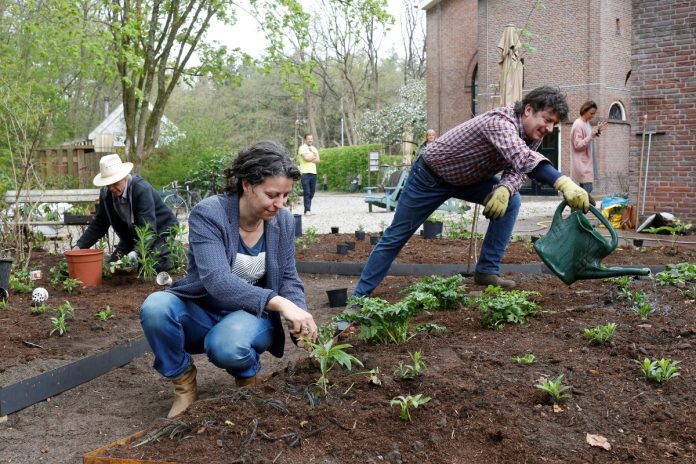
[(615, 52)]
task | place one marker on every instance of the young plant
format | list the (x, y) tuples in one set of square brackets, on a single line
[(600, 335), (499, 306), (660, 370), (431, 327), (677, 274), (406, 403), (70, 284), (328, 356), (20, 281), (436, 292), (66, 310), (410, 371), (59, 325), (104, 314), (4, 305), (643, 309), (40, 309), (380, 322), (145, 237), (555, 388), (58, 273), (360, 228), (528, 358), (175, 245)]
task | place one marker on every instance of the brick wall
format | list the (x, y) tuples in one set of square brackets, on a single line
[(663, 87)]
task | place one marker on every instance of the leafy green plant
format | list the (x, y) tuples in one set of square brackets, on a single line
[(528, 358), (4, 305), (643, 309), (328, 356), (677, 274), (104, 314), (20, 281), (499, 306), (660, 370), (433, 292), (406, 403), (40, 309), (145, 237), (59, 325), (360, 228), (380, 322), (436, 217), (175, 245), (308, 239), (70, 284), (410, 371), (689, 294), (458, 227), (555, 388), (66, 309), (602, 334), (621, 281), (431, 327), (58, 273)]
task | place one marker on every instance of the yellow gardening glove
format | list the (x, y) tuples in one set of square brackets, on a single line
[(574, 195), (496, 203)]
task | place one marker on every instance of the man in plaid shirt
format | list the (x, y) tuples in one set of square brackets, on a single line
[(463, 164)]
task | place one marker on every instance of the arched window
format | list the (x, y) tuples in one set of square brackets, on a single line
[(617, 112), (474, 92)]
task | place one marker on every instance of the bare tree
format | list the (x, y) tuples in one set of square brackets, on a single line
[(413, 37)]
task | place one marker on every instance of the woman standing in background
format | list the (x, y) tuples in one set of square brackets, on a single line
[(581, 136)]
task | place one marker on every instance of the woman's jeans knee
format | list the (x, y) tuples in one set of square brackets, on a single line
[(176, 328)]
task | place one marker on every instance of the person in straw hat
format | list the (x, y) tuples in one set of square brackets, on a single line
[(126, 201)]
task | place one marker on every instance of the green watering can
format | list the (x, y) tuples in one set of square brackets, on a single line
[(573, 249)]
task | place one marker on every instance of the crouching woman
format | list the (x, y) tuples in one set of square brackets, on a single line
[(241, 279)]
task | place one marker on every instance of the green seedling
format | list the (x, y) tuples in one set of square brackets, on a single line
[(20, 281), (690, 294), (104, 314), (643, 309), (677, 274), (406, 403), (436, 292), (500, 307), (175, 245), (66, 310), (528, 358), (555, 388), (380, 322), (70, 284), (40, 309), (328, 356), (660, 370), (410, 371), (602, 334), (621, 281), (145, 237), (4, 305), (431, 327), (59, 325), (58, 273)]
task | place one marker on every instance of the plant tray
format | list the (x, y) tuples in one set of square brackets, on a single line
[(76, 219), (97, 456)]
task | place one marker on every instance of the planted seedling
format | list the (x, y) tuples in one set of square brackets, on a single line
[(431, 327), (380, 322), (70, 284), (406, 403), (66, 309), (660, 370), (643, 309), (555, 388), (677, 274), (4, 305), (602, 334), (58, 273), (328, 356), (59, 325), (436, 292), (145, 237), (175, 245), (410, 371), (499, 306), (20, 281), (528, 358), (104, 314), (40, 309)]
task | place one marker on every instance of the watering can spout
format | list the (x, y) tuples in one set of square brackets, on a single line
[(573, 249)]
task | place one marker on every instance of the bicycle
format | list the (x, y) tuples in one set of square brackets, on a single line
[(181, 200)]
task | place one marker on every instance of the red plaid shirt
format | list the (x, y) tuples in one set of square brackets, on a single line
[(482, 147)]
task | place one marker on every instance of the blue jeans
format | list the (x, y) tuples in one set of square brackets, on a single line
[(176, 328), (421, 196), (309, 186)]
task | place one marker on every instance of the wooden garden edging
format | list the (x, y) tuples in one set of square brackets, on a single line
[(30, 391)]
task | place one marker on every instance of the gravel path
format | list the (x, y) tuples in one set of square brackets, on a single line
[(347, 211)]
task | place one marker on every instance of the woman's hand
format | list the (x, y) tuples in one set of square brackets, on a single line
[(300, 322)]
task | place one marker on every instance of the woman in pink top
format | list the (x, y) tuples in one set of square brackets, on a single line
[(581, 135)]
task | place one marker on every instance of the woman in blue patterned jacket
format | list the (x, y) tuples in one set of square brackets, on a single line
[(241, 279)]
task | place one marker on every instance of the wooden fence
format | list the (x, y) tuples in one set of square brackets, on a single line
[(78, 161)]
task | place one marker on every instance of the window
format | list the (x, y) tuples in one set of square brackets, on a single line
[(474, 92), (616, 112)]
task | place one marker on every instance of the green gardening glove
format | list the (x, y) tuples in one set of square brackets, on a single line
[(496, 203), (574, 195)]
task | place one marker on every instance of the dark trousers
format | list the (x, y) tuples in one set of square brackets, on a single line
[(309, 186)]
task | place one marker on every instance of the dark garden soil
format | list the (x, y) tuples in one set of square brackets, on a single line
[(484, 406)]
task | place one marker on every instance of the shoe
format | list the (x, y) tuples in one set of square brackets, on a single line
[(308, 213), (492, 279), (185, 392)]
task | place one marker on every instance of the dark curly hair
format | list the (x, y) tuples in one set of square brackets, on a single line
[(254, 164), (543, 98)]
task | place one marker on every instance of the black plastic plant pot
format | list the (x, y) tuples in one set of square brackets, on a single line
[(432, 229), (360, 235), (638, 242), (334, 230), (337, 297), (374, 239), (342, 249), (351, 246), (298, 225), (5, 269)]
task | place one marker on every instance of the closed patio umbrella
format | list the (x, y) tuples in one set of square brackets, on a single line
[(510, 66)]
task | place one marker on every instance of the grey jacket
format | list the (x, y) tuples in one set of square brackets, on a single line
[(213, 240)]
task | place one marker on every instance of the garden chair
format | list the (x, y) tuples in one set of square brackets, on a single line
[(391, 194)]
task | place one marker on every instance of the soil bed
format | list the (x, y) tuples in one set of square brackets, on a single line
[(484, 406)]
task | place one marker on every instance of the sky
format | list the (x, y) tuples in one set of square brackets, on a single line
[(245, 35)]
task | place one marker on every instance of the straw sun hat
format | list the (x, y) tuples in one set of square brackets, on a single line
[(111, 170)]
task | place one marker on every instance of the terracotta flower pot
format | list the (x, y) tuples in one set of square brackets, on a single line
[(86, 266)]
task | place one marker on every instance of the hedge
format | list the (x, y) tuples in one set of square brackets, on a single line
[(342, 164)]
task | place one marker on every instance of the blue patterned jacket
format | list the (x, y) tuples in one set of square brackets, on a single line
[(213, 240)]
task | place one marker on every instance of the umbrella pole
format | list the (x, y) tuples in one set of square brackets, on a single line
[(640, 172)]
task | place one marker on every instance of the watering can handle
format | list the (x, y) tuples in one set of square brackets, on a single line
[(599, 215)]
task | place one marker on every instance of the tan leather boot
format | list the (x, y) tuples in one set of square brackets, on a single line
[(185, 392), (246, 382)]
